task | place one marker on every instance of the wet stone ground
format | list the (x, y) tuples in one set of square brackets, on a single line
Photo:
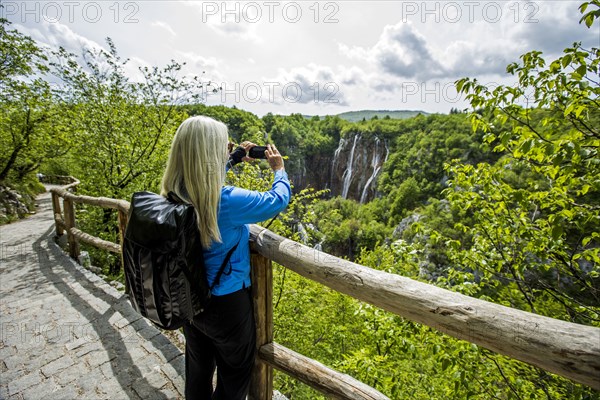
[(67, 334)]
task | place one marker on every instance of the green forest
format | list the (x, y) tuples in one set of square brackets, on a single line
[(500, 202)]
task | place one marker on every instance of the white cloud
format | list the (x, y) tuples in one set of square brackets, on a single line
[(228, 19), (199, 61), (403, 52), (57, 35), (355, 52), (379, 62), (560, 29), (314, 83), (132, 68), (235, 30), (350, 76), (207, 68), (165, 26)]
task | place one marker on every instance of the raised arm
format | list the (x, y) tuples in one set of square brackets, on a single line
[(248, 206)]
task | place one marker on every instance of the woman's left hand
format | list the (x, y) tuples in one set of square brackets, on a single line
[(247, 146)]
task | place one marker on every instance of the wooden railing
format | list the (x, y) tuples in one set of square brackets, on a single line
[(67, 222), (66, 181), (567, 349)]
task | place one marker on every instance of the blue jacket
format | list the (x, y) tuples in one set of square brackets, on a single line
[(238, 208)]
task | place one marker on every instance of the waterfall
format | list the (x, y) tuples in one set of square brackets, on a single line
[(337, 151), (319, 246), (376, 168), (387, 151), (336, 155), (347, 177), (302, 232)]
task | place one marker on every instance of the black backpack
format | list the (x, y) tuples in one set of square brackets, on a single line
[(163, 260)]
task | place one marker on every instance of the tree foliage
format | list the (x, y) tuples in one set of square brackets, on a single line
[(123, 128), (32, 128), (537, 210), (501, 204)]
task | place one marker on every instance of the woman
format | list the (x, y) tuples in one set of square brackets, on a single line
[(224, 334)]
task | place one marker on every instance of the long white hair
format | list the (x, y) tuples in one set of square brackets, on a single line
[(196, 171)]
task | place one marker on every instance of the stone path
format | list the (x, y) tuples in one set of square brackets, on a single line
[(66, 334)]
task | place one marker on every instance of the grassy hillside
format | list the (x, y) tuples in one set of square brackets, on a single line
[(354, 116)]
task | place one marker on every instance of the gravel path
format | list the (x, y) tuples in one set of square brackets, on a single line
[(67, 334)]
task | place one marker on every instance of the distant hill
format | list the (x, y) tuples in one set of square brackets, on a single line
[(354, 116)]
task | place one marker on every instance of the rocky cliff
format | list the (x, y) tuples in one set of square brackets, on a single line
[(14, 205), (351, 171), (356, 165), (314, 171)]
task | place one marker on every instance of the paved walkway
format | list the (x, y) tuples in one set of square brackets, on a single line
[(66, 334)]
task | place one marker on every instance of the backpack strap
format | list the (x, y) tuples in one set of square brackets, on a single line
[(222, 269), (173, 197)]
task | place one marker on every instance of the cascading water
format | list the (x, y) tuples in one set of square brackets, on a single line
[(347, 177), (336, 156), (319, 246), (302, 232), (387, 151), (359, 164), (376, 168)]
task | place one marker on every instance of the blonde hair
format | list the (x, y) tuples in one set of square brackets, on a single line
[(196, 171)]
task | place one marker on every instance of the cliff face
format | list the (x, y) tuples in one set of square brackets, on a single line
[(356, 165), (351, 171), (315, 171)]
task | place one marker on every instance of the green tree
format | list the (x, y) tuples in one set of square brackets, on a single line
[(242, 125), (405, 197), (421, 150), (345, 226), (536, 240), (31, 124), (123, 127), (521, 230)]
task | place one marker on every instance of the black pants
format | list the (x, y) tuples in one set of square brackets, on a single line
[(223, 336)]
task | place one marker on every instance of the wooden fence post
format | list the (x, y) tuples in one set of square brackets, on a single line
[(70, 223), (56, 210), (122, 227), (261, 385)]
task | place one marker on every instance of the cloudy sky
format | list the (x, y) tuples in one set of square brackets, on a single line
[(314, 57)]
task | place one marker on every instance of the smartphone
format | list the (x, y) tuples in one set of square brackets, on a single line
[(257, 152)]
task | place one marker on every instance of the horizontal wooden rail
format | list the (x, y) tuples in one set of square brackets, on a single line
[(334, 384), (66, 181), (96, 241), (71, 185), (75, 235), (105, 202), (567, 349)]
